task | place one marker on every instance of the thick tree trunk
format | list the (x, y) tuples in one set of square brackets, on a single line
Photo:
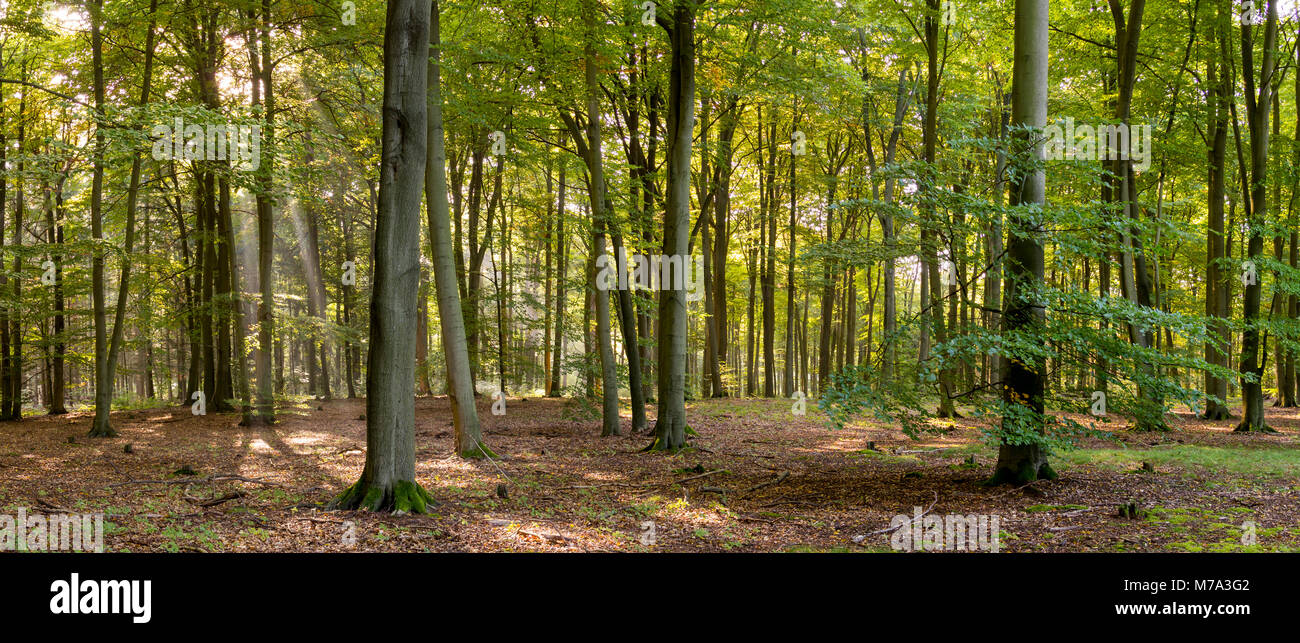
[(388, 481), (1024, 382)]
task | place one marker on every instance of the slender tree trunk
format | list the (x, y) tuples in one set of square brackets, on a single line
[(103, 383), (1251, 368), (460, 385), (562, 274), (670, 426)]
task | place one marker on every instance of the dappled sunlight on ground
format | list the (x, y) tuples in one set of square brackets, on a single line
[(757, 478)]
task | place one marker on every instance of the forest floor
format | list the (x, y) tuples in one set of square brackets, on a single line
[(759, 479)]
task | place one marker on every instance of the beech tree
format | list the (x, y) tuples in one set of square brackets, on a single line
[(388, 480), (1022, 460)]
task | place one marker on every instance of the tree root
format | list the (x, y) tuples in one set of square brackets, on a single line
[(404, 496)]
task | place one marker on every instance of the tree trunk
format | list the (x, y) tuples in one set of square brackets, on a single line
[(388, 481), (670, 426), (103, 385), (562, 274), (1252, 369), (1216, 278), (1024, 382), (460, 385)]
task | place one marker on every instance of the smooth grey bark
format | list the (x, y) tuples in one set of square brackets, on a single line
[(388, 481), (1024, 383), (670, 426)]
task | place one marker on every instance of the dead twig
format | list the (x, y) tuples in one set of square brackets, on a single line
[(779, 479), (215, 501), (207, 480), (702, 475), (863, 538)]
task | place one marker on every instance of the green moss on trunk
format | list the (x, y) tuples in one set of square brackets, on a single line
[(1021, 475), (1247, 428), (479, 452), (404, 496)]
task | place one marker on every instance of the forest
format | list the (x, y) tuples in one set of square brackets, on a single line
[(651, 275)]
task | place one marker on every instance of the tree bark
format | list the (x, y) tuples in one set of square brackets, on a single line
[(460, 383), (1024, 382), (388, 481), (670, 426)]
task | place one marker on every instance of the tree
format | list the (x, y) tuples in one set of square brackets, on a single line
[(1217, 279), (1024, 380), (1258, 103), (670, 426), (104, 375), (266, 218), (460, 383), (388, 481)]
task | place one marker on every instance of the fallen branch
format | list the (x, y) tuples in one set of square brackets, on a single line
[(46, 507), (550, 537), (779, 479), (209, 479), (862, 538), (216, 501), (702, 475)]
